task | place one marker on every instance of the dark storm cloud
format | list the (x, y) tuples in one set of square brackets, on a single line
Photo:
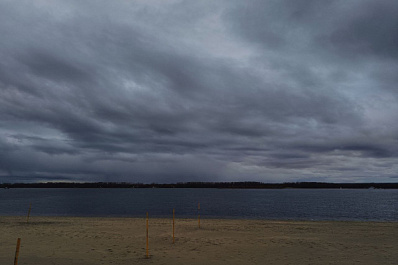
[(373, 29), (178, 91), (53, 68), (345, 28)]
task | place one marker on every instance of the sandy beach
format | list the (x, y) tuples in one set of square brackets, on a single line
[(73, 240)]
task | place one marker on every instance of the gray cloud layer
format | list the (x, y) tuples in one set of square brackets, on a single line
[(166, 91)]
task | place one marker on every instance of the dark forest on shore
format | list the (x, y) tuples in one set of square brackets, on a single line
[(216, 185)]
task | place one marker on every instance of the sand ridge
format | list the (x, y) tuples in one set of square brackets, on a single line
[(77, 240)]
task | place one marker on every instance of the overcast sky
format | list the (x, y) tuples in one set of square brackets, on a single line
[(169, 91)]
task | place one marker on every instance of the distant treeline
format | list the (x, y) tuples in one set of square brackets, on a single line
[(214, 185)]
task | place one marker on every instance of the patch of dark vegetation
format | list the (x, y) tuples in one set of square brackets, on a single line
[(214, 185)]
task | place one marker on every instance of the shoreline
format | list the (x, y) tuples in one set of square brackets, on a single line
[(206, 185), (121, 240), (202, 218)]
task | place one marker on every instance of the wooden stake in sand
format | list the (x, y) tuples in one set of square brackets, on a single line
[(17, 251), (147, 236), (198, 214), (173, 224), (30, 208)]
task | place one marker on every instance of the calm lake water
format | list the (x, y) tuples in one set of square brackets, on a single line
[(285, 204)]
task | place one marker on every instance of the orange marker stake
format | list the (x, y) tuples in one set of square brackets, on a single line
[(173, 224), (30, 208), (17, 251), (147, 236), (198, 214)]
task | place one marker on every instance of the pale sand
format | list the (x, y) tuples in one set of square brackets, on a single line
[(70, 240)]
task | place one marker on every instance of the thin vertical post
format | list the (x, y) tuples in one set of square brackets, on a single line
[(147, 236), (198, 214), (173, 223), (30, 208), (17, 251)]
